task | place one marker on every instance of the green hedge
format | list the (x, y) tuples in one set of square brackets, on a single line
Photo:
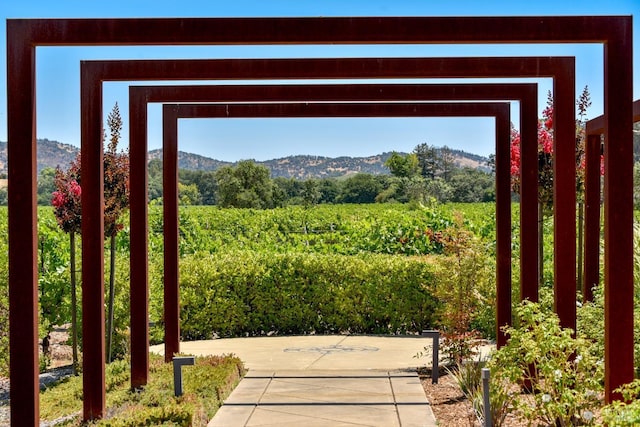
[(254, 293), (4, 295)]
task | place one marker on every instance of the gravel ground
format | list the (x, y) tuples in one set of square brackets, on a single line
[(46, 378), (4, 401)]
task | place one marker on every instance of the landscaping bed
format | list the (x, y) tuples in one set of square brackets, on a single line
[(205, 386)]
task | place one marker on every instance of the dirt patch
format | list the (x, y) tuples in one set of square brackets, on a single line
[(449, 405), (447, 401), (59, 348)]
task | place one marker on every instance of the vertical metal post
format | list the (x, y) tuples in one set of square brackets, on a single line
[(23, 227), (529, 213), (139, 283), (564, 199), (171, 230), (486, 397), (92, 181), (591, 217), (503, 229), (435, 353), (618, 211)]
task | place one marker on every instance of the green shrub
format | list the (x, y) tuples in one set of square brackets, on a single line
[(137, 415), (4, 316), (205, 384), (627, 412), (590, 322), (255, 293), (466, 287), (541, 356), (4, 295), (468, 376)]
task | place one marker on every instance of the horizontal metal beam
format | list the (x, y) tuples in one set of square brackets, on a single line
[(359, 30), (595, 126)]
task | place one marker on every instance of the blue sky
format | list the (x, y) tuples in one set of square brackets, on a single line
[(233, 139)]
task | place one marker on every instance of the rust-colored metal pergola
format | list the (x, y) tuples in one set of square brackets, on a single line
[(173, 112), (594, 130), (23, 36), (139, 96), (93, 73)]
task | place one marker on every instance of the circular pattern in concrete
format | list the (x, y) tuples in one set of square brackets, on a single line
[(330, 349)]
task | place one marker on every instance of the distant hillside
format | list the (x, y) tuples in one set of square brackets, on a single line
[(54, 153), (303, 167), (50, 154), (191, 161), (306, 166)]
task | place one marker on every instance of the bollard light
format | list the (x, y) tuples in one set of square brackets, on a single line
[(488, 422), (178, 363), (435, 369)]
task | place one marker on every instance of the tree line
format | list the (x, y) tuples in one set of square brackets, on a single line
[(428, 173)]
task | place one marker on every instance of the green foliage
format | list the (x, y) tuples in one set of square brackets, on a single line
[(446, 165), (344, 229), (427, 156), (155, 180), (46, 186), (189, 194), (4, 295), (590, 316), (626, 412), (360, 188), (205, 386), (246, 185), (166, 415), (205, 183), (402, 166), (545, 358), (472, 185), (439, 189), (466, 289), (255, 293), (53, 270), (311, 237), (408, 183), (120, 337), (468, 376)]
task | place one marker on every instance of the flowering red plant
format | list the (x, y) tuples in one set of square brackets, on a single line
[(116, 190), (545, 152), (66, 198)]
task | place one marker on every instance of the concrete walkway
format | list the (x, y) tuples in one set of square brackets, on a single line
[(326, 398), (323, 380)]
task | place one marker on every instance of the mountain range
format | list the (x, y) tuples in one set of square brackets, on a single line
[(54, 153)]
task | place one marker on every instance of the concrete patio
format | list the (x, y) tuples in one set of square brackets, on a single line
[(324, 380)]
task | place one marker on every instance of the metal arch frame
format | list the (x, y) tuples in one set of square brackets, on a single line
[(93, 73), (24, 35), (140, 96), (173, 112), (561, 69), (594, 129)]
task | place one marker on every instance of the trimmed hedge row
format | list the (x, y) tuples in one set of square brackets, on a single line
[(246, 293)]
